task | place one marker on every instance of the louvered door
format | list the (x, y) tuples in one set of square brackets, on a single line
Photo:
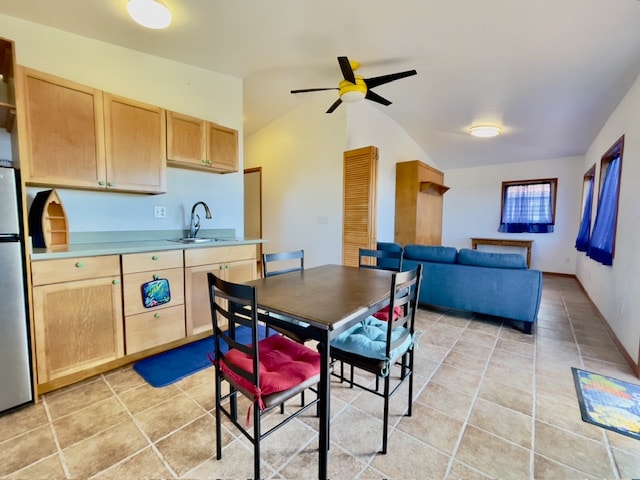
[(360, 187)]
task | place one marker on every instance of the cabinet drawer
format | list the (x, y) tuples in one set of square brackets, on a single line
[(205, 256), (151, 329), (145, 262), (70, 269), (132, 288)]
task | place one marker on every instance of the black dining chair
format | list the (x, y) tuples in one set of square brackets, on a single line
[(278, 264), (268, 372), (384, 348), (380, 259)]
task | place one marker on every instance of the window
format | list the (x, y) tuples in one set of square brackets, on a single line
[(584, 233), (603, 238), (528, 206)]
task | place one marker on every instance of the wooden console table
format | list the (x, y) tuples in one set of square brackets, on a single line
[(505, 242)]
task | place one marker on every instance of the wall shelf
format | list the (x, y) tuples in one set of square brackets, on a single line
[(433, 188)]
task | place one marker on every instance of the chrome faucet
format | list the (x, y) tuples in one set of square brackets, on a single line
[(194, 225)]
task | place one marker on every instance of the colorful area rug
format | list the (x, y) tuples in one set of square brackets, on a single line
[(168, 367), (608, 402)]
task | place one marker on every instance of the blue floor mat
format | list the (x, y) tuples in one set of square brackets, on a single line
[(168, 367)]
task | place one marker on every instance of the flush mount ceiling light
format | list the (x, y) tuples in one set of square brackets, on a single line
[(149, 13), (485, 131)]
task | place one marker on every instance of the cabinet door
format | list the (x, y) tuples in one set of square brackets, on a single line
[(185, 140), (64, 132), (222, 148), (78, 325), (198, 306), (135, 151)]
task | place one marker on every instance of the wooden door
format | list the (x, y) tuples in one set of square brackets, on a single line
[(360, 195), (135, 145), (64, 132)]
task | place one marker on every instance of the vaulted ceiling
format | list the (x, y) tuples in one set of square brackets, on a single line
[(550, 72)]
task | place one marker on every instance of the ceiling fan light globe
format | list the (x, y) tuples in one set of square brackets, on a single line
[(352, 96), (149, 13)]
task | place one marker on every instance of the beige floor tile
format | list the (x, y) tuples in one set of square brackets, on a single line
[(628, 464), (22, 421), (72, 399), (456, 404), (460, 471), (353, 430), (409, 458), (236, 462), (492, 455), (342, 465), (585, 455), (25, 449), (124, 379), (432, 427), (88, 421), (567, 416), (507, 396), (145, 464), (99, 452), (545, 468), (170, 415), (49, 468), (192, 445), (503, 422), (457, 379), (145, 396)]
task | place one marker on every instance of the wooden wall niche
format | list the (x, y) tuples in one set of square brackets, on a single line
[(419, 191)]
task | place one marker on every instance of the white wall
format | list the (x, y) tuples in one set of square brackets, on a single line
[(301, 159), (616, 289), (153, 80), (368, 125), (472, 208)]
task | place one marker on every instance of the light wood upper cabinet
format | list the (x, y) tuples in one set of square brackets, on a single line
[(64, 132), (198, 144), (77, 307), (135, 135), (80, 137)]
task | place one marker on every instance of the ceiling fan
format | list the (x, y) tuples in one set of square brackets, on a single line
[(355, 87)]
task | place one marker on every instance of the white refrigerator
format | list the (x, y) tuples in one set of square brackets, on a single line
[(15, 365)]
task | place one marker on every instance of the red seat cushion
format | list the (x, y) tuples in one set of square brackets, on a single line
[(383, 313), (283, 365)]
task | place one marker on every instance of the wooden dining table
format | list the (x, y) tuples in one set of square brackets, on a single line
[(328, 299)]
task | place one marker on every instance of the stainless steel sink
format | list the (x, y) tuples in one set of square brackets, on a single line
[(194, 240)]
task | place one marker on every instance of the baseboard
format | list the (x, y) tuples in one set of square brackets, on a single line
[(634, 366)]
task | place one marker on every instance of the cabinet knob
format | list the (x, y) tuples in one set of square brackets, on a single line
[(155, 257), (79, 264), (116, 282), (157, 315), (101, 183), (209, 162), (203, 161), (155, 276), (110, 184)]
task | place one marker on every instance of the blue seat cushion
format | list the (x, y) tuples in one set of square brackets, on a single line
[(369, 339), (477, 258), (430, 253)]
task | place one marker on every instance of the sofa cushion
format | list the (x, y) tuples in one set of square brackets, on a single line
[(467, 256), (430, 253)]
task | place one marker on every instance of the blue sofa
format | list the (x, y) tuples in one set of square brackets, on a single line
[(497, 284)]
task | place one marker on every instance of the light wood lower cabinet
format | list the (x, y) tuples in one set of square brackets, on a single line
[(235, 264), (77, 306), (147, 322)]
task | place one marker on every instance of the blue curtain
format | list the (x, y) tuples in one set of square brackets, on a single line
[(582, 242), (604, 228), (527, 208)]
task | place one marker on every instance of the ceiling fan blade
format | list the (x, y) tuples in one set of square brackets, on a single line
[(375, 81), (304, 90), (374, 97), (335, 105), (347, 71)]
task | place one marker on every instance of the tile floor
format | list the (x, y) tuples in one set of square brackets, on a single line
[(490, 402)]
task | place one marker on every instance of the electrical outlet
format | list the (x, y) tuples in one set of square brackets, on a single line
[(159, 212)]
